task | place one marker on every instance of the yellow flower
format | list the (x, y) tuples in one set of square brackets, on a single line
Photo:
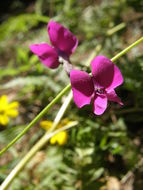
[(7, 110), (61, 137)]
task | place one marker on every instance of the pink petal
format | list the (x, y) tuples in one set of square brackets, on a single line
[(82, 87), (47, 55), (99, 104), (117, 78), (105, 73), (112, 96), (62, 38)]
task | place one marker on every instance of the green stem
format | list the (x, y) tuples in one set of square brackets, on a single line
[(127, 49), (37, 118), (116, 29)]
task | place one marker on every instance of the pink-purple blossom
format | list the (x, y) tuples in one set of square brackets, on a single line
[(99, 86), (63, 43)]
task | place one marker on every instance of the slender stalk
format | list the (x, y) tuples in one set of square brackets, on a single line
[(61, 112), (116, 29), (127, 49), (37, 118), (43, 112), (40, 143)]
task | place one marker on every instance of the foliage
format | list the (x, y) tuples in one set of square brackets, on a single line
[(109, 145)]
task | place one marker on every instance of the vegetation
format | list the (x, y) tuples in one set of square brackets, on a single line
[(100, 152)]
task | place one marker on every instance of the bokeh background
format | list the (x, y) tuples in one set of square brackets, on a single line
[(102, 152)]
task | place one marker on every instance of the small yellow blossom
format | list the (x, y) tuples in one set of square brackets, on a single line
[(61, 137), (7, 110)]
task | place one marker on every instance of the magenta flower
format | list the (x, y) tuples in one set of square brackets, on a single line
[(106, 76), (63, 43)]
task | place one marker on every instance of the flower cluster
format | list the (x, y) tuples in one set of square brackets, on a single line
[(61, 137), (7, 110), (99, 87)]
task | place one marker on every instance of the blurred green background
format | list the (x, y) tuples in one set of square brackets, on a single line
[(101, 151)]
